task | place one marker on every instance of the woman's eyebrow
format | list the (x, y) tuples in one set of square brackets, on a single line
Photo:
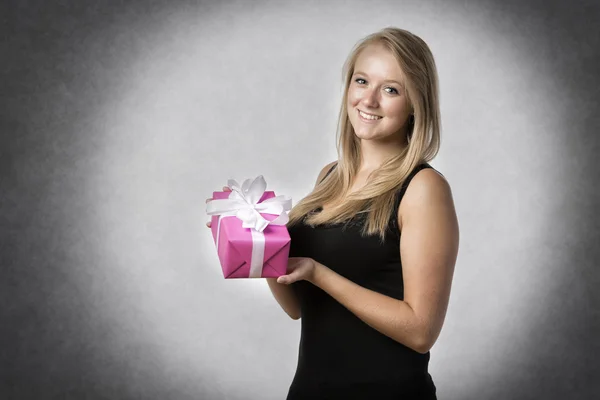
[(388, 80)]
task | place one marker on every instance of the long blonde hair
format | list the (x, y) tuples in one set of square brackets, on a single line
[(377, 197)]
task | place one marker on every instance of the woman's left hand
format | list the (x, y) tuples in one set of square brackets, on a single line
[(299, 268)]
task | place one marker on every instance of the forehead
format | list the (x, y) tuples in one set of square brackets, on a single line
[(377, 61)]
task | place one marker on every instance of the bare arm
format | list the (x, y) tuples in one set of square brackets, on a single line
[(283, 293), (428, 247)]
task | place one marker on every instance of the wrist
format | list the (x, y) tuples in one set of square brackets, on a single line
[(318, 273)]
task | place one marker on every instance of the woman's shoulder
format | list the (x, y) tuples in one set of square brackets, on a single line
[(325, 170), (427, 180), (427, 187)]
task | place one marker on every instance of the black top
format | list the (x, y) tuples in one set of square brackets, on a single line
[(340, 356)]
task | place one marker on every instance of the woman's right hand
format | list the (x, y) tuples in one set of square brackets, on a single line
[(225, 189)]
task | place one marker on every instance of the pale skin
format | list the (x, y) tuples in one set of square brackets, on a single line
[(427, 219)]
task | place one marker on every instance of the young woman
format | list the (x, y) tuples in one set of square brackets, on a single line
[(373, 247)]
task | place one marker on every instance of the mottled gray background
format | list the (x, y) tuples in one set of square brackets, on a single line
[(118, 119)]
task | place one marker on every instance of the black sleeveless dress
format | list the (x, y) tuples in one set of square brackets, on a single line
[(340, 356)]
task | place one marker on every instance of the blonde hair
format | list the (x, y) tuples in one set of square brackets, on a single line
[(377, 197)]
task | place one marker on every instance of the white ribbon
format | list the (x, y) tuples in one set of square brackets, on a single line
[(243, 204)]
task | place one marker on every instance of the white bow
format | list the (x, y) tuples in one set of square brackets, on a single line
[(243, 204)]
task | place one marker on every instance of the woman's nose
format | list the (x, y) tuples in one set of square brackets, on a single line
[(369, 98)]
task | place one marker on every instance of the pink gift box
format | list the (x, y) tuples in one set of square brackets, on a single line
[(235, 244)]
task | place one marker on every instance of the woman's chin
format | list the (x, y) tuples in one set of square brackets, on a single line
[(366, 135)]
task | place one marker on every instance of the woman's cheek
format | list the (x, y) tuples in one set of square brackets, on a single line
[(352, 97)]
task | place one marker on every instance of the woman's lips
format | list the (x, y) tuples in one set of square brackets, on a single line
[(366, 119)]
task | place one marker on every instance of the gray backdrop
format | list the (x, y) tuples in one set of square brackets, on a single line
[(118, 119)]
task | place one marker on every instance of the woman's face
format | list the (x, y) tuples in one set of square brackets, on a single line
[(375, 90)]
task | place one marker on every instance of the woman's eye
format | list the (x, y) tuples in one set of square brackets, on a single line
[(360, 81), (393, 90)]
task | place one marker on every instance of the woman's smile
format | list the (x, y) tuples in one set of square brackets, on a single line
[(368, 117)]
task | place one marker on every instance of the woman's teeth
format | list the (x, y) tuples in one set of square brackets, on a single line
[(368, 116)]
